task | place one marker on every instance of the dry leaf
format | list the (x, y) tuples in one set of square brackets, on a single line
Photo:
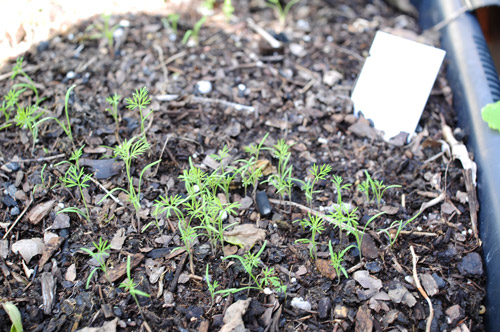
[(109, 326), (326, 269), (233, 319), (70, 273), (118, 240), (364, 278), (28, 248), (245, 235)]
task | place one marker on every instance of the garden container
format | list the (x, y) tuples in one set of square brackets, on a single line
[(474, 81)]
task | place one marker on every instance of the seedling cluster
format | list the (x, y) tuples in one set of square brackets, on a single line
[(204, 210)]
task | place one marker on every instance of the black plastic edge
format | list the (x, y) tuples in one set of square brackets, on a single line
[(474, 81)]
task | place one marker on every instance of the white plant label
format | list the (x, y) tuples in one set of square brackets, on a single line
[(395, 83)]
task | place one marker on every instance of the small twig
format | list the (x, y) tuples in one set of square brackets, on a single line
[(175, 57), (18, 218), (117, 201), (264, 34), (180, 267), (421, 290), (436, 156), (349, 52), (432, 202), (316, 213), (239, 107), (57, 156), (162, 62)]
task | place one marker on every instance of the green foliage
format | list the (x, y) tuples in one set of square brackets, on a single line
[(491, 114), (212, 286), (14, 315), (26, 118), (195, 32), (376, 187), (129, 150), (131, 287), (281, 12), (398, 225), (104, 31), (282, 180), (336, 260), (172, 20), (100, 256), (140, 100), (113, 102), (65, 127), (228, 9), (76, 177), (337, 181), (317, 173), (317, 225)]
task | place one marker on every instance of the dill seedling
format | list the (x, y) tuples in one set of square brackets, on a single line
[(317, 225), (140, 100), (100, 256)]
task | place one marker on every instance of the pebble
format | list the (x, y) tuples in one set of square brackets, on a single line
[(15, 211), (299, 303), (340, 311), (400, 294), (297, 50), (303, 25), (61, 221), (9, 201), (263, 203), (158, 253), (373, 267), (324, 307), (332, 77), (439, 281), (242, 88), (471, 264), (203, 87), (168, 298), (429, 283), (13, 166), (368, 247), (117, 311), (43, 46), (454, 314)]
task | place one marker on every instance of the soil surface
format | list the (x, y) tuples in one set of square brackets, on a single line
[(231, 89)]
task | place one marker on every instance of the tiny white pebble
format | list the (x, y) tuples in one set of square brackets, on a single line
[(195, 155), (419, 228), (268, 291), (124, 23), (293, 280), (61, 205), (204, 87), (322, 140), (470, 231), (70, 74), (118, 33), (242, 87), (196, 188), (464, 233)]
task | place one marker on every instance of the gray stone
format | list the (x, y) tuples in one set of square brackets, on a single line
[(61, 221), (471, 265), (324, 307)]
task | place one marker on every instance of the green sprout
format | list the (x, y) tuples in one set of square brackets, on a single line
[(104, 31), (491, 115), (18, 70), (228, 9), (167, 206), (376, 187), (398, 225), (113, 102), (195, 32), (317, 173), (317, 225), (212, 286), (250, 261), (100, 256), (130, 286), (282, 180), (281, 12), (26, 118), (65, 127), (10, 103), (14, 315), (140, 100), (188, 236), (76, 177), (337, 181), (172, 20), (336, 260), (129, 150), (250, 172)]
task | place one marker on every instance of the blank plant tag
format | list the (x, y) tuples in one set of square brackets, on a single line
[(395, 82)]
